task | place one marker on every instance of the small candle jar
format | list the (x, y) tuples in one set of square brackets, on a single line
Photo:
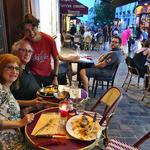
[(63, 108)]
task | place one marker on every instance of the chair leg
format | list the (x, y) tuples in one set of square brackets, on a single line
[(93, 84), (129, 83), (125, 79), (102, 85), (138, 81), (95, 88), (107, 84), (145, 93)]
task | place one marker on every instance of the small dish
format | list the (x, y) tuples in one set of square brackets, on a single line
[(47, 91), (62, 95)]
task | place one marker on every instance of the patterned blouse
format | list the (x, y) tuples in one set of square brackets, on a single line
[(10, 139)]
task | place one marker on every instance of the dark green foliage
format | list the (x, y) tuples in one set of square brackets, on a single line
[(104, 13)]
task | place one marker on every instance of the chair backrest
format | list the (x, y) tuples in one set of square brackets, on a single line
[(142, 140), (115, 68), (110, 98), (131, 66)]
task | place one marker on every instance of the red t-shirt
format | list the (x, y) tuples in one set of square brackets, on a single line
[(40, 63)]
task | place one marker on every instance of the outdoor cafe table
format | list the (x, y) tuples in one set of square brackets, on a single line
[(85, 61), (69, 143)]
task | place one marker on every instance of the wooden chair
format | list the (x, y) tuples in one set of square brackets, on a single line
[(66, 40), (132, 72), (110, 99), (147, 83), (117, 145), (105, 80)]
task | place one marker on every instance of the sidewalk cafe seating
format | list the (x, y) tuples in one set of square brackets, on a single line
[(105, 80), (110, 99), (132, 72), (117, 145)]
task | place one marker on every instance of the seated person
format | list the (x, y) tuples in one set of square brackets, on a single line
[(10, 117), (27, 85), (105, 63), (140, 58)]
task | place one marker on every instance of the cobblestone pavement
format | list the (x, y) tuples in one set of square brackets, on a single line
[(132, 118)]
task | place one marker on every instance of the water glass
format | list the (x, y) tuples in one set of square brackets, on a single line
[(80, 108)]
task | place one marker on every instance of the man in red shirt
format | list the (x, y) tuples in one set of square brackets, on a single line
[(44, 47)]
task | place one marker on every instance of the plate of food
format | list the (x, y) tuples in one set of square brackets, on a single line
[(47, 91), (62, 95), (83, 127)]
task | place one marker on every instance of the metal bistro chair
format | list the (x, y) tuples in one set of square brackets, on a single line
[(110, 99), (117, 145), (66, 40), (132, 72), (104, 80)]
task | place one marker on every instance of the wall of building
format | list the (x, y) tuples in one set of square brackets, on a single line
[(48, 13), (126, 14)]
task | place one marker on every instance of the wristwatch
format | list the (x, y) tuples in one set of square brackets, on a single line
[(55, 75)]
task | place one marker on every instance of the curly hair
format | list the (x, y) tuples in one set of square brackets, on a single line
[(29, 19)]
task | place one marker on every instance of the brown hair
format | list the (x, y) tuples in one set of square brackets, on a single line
[(6, 59), (147, 43), (28, 19)]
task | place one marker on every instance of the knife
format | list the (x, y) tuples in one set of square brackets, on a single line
[(52, 136)]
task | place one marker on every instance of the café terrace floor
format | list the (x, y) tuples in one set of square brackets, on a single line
[(132, 118)]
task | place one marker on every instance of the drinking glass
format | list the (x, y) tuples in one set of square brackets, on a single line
[(80, 108)]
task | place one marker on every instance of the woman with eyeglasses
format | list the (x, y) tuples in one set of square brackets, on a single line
[(27, 85), (10, 118)]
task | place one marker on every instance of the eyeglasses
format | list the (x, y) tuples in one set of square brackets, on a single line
[(114, 42), (26, 50), (12, 68)]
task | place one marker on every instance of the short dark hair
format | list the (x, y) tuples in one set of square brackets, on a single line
[(147, 43), (29, 19), (117, 37)]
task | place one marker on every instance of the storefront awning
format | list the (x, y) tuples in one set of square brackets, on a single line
[(72, 7)]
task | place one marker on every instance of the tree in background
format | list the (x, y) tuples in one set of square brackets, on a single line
[(104, 13)]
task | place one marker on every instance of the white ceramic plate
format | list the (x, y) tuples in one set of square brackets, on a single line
[(74, 119)]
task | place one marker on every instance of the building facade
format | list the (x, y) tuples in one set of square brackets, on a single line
[(126, 14)]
